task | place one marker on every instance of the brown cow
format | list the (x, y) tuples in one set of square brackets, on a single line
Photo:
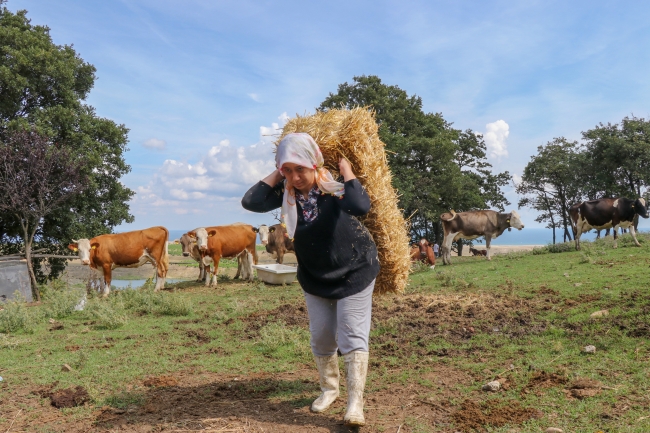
[(476, 252), (423, 252), (278, 242), (473, 224), (130, 250), (606, 213), (236, 240)]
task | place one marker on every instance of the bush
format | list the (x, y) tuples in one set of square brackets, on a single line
[(109, 314), (563, 247), (16, 316), (61, 303)]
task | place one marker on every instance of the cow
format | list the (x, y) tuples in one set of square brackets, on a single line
[(263, 231), (190, 249), (474, 224), (235, 240), (476, 252), (606, 213), (279, 243), (423, 252), (130, 250)]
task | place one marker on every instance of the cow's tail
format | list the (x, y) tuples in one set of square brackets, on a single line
[(448, 216)]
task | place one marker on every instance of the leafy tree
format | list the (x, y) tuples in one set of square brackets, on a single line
[(553, 181), (43, 87), (435, 167), (36, 177), (620, 157)]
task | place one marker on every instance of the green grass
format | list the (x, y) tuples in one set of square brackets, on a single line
[(455, 329)]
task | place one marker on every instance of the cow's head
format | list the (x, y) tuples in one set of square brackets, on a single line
[(263, 231), (423, 245), (515, 221), (186, 244), (640, 208), (200, 236), (83, 248)]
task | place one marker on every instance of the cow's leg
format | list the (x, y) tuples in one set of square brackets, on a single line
[(280, 254), (576, 238), (633, 233), (161, 276), (206, 270), (107, 279), (201, 271), (488, 239), (615, 236), (213, 282), (239, 265)]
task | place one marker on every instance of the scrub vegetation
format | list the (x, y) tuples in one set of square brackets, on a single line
[(237, 357)]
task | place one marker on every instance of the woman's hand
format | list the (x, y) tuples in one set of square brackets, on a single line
[(346, 169), (273, 178)]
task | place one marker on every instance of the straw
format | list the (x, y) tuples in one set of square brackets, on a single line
[(353, 134)]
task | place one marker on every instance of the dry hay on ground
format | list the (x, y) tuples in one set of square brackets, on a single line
[(353, 135)]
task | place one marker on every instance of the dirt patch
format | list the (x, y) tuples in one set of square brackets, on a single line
[(406, 326), (289, 314), (160, 381), (542, 379), (72, 348), (200, 336), (582, 388), (70, 397), (474, 416), (56, 327)]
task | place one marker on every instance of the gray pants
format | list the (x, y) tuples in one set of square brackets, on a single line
[(340, 323)]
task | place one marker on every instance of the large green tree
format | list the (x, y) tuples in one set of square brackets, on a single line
[(620, 157), (43, 87), (435, 167)]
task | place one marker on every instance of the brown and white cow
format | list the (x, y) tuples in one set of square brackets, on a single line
[(423, 252), (263, 231), (190, 249), (236, 240), (278, 242), (606, 213), (130, 250), (474, 224)]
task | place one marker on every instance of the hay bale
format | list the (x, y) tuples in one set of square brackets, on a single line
[(353, 134)]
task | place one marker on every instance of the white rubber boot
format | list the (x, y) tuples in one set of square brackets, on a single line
[(328, 370), (356, 369)]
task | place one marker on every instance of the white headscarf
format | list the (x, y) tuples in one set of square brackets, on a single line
[(300, 148)]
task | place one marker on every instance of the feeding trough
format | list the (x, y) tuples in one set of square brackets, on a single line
[(276, 274)]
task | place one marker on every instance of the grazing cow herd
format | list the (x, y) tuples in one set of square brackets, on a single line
[(208, 245)]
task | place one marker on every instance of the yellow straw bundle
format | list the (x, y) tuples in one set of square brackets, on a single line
[(353, 135)]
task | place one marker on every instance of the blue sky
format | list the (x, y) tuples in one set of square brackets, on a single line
[(199, 82)]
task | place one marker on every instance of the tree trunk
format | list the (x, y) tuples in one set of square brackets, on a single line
[(30, 268), (459, 245)]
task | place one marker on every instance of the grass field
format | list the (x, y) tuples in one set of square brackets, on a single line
[(237, 358)]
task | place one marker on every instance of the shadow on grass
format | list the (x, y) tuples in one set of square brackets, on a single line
[(235, 405)]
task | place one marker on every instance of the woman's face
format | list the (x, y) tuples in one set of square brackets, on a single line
[(299, 177)]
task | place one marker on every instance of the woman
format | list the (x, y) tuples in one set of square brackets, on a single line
[(337, 261)]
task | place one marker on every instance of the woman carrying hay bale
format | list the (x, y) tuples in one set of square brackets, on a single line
[(337, 261)]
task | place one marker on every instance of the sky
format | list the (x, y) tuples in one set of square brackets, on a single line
[(203, 85)]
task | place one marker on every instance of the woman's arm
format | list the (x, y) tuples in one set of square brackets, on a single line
[(355, 200), (265, 195)]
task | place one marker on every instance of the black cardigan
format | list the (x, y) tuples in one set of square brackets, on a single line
[(336, 254)]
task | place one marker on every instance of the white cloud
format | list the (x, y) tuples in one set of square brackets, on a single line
[(516, 179), (154, 143), (222, 174), (495, 138), (254, 96)]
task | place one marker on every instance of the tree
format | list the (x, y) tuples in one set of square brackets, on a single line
[(42, 89), (620, 156), (553, 181), (435, 167), (36, 177)]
